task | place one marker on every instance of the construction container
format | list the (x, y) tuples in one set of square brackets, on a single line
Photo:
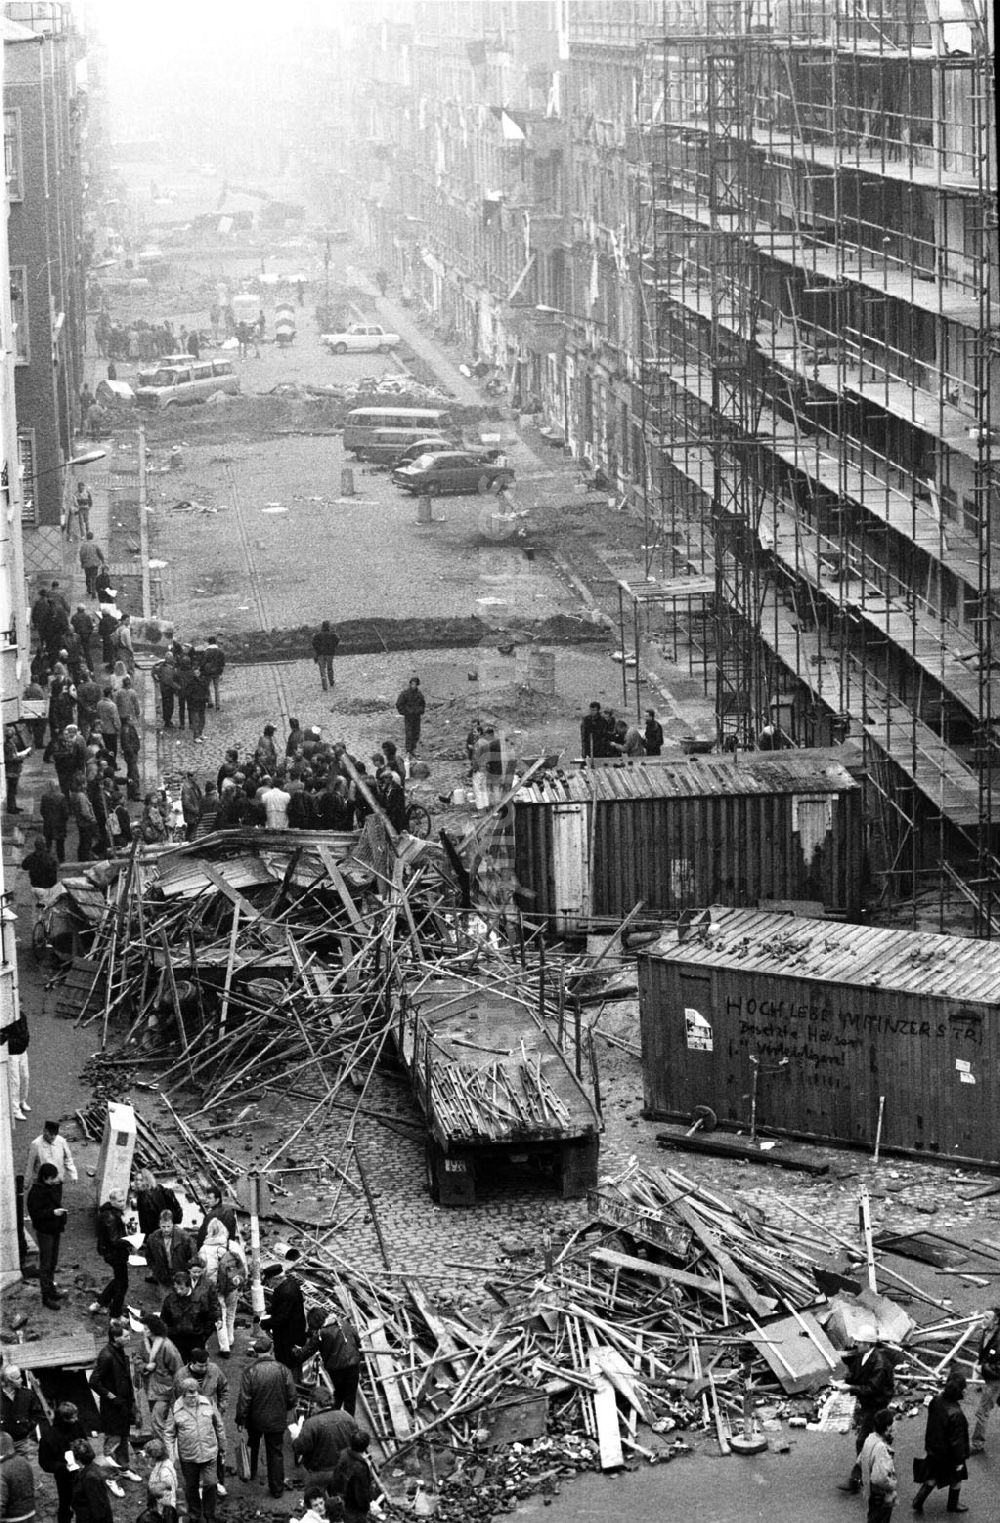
[(835, 1019), (689, 832)]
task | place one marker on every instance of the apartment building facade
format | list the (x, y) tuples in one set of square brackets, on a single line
[(44, 119), (745, 257)]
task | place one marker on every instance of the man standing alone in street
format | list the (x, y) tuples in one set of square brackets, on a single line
[(48, 1217), (266, 1404), (324, 643), (91, 559), (411, 703)]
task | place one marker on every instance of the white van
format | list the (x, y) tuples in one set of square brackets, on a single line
[(181, 386)]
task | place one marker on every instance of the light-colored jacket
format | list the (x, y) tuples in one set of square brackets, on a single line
[(215, 1247), (878, 1468), (196, 1431)]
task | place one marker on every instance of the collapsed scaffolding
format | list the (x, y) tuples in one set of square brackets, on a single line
[(819, 381)]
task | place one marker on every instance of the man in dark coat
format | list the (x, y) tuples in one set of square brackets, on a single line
[(21, 1412), (48, 1217), (111, 1383), (91, 1502), (336, 1338), (266, 1404), (323, 1438), (168, 1250), (59, 1437), (946, 1445), (411, 703), (288, 1318), (324, 644), (352, 1480), (872, 1378), (185, 1316), (653, 734), (152, 1199), (594, 733), (54, 810), (113, 1247)]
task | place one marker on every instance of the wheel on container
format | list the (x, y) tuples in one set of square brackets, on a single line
[(340, 348), (483, 485)]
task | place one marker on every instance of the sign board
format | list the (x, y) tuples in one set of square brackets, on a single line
[(253, 1194), (699, 1031), (114, 1163)]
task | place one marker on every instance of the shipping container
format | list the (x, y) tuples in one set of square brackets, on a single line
[(681, 834), (834, 1018)]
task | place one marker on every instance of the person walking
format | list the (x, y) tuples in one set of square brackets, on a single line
[(165, 677), (946, 1445), (131, 746), (49, 1147), (183, 1314), (122, 643), (878, 1468), (197, 697), (169, 1250), (56, 1441), (113, 1247), (226, 1267), (48, 1218), (288, 1316), (195, 1428), (212, 1384), (324, 644), (82, 504), (43, 873), (873, 1382), (16, 1038), (111, 1383), (161, 1365), (110, 722), (91, 561), (989, 1369), (323, 1438), (336, 1339), (411, 703), (213, 664), (267, 1403), (54, 811), (17, 1484)]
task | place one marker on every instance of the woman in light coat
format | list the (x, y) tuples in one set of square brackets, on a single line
[(226, 1267), (160, 1367)]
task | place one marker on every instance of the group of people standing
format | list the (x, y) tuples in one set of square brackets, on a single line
[(188, 678), (604, 734)]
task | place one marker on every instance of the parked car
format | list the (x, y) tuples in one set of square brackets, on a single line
[(458, 471), (176, 386), (360, 338), (423, 447)]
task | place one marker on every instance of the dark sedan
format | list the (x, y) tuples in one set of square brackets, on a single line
[(454, 472)]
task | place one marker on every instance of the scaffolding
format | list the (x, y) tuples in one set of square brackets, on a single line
[(821, 387)]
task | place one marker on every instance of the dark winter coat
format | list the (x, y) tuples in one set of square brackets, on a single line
[(111, 1382), (338, 1344), (187, 1317), (54, 810), (112, 1243), (43, 1201), (20, 1413), (267, 1396), (989, 1354), (151, 1204), (325, 642), (55, 1440), (165, 1258), (411, 701), (288, 1313), (352, 1480), (91, 1499), (946, 1441)]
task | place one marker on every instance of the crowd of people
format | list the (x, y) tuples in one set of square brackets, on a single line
[(300, 1363), (605, 734)]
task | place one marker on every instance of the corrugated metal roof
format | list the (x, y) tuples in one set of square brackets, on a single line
[(914, 962), (761, 774)]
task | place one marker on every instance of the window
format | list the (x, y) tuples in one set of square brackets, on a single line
[(19, 312), (26, 470), (12, 152)]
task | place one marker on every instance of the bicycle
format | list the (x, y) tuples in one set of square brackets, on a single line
[(418, 821)]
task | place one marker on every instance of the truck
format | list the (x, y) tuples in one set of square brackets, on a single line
[(496, 1091)]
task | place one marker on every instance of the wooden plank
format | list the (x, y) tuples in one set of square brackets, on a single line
[(779, 1157), (665, 1273), (609, 1437), (798, 1351), (337, 879), (762, 1305), (613, 1364), (445, 1341), (232, 894), (69, 1349), (388, 1375)]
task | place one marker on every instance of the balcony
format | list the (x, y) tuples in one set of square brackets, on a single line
[(541, 330)]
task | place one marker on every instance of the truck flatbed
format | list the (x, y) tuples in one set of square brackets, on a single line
[(491, 1082)]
